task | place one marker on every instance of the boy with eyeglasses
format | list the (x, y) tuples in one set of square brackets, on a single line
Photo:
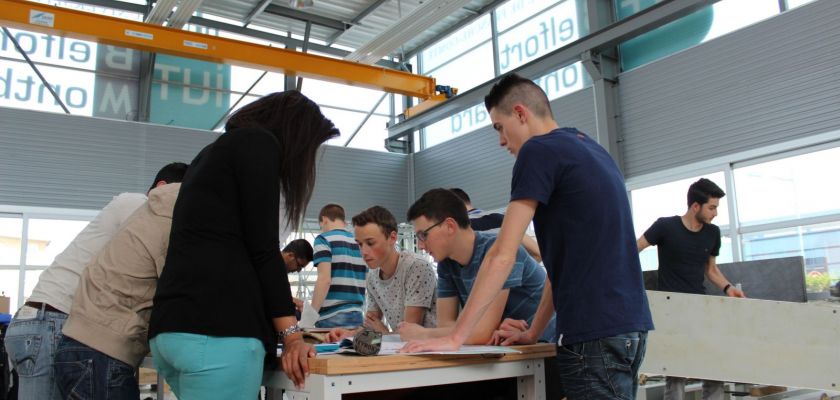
[(443, 229)]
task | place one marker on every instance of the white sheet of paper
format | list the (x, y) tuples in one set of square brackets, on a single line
[(391, 344), (308, 316)]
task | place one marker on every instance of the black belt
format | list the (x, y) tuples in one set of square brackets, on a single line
[(42, 306)]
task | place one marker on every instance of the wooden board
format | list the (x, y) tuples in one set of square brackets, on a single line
[(342, 364)]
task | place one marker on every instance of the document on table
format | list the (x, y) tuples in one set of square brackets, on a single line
[(391, 344)]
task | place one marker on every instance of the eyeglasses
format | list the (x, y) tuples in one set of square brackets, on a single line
[(424, 234)]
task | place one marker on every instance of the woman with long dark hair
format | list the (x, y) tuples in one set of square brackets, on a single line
[(223, 297)]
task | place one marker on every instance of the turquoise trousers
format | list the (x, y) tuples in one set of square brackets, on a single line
[(200, 367)]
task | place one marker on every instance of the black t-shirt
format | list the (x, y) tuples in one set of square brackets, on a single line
[(683, 254), (483, 221), (585, 232)]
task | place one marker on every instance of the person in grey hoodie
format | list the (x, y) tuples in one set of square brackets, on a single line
[(105, 337)]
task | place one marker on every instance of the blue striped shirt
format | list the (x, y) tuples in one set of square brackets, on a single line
[(347, 272)]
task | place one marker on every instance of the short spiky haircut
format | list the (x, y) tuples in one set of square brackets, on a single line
[(438, 205), (332, 212), (377, 215), (701, 191), (513, 89)]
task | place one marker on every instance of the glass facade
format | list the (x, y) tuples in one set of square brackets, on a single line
[(784, 208), (39, 239)]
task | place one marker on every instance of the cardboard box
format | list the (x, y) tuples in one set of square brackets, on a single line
[(4, 304)]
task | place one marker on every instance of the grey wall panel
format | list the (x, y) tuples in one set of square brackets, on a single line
[(475, 162), (57, 160), (768, 83), (358, 179)]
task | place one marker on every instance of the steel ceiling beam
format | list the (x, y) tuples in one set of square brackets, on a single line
[(305, 16), (416, 22), (357, 19), (256, 11), (448, 31), (120, 32), (285, 40), (209, 23)]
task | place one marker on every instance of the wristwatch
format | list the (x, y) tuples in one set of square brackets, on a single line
[(290, 331)]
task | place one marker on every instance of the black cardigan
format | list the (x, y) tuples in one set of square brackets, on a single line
[(224, 275)]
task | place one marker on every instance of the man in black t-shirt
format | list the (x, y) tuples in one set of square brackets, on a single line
[(491, 222), (687, 246)]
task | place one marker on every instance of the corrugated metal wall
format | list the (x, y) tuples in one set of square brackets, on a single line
[(475, 162), (769, 83), (358, 179), (57, 160)]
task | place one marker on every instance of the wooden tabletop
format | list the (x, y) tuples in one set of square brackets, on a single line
[(343, 364)]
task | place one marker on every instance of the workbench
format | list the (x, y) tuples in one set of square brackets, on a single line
[(336, 374)]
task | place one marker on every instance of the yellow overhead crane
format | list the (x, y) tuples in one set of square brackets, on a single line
[(154, 38)]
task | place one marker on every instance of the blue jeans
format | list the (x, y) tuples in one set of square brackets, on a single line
[(199, 367), (84, 373), (31, 344), (345, 319), (605, 368)]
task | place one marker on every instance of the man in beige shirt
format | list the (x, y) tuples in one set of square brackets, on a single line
[(105, 337)]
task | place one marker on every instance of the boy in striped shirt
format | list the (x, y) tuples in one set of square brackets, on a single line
[(340, 288)]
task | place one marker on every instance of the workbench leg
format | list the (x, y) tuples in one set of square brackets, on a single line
[(317, 387), (161, 393), (532, 387)]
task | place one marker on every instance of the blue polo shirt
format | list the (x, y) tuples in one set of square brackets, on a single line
[(525, 282), (585, 232)]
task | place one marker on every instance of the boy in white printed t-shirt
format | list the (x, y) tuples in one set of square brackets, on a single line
[(400, 285)]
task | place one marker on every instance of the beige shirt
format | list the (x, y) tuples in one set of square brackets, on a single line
[(113, 302)]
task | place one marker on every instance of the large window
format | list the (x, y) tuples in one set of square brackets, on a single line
[(89, 78), (703, 25), (786, 206), (348, 112), (527, 30), (11, 231), (455, 45), (818, 244), (529, 39), (789, 188), (49, 237), (94, 79), (43, 236)]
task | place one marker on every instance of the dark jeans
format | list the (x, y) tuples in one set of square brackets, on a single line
[(83, 373), (605, 368)]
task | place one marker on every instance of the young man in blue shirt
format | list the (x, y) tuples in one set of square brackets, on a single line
[(574, 192), (443, 230)]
